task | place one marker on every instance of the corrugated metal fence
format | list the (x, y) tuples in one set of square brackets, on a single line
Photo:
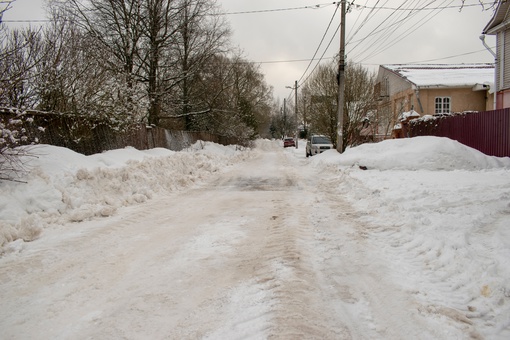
[(488, 132)]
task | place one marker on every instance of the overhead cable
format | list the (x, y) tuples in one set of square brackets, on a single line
[(320, 44)]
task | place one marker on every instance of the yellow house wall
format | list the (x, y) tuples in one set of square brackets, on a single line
[(461, 100)]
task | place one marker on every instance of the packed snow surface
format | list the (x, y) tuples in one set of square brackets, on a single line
[(401, 239)]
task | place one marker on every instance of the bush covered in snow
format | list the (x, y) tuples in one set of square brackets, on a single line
[(15, 130)]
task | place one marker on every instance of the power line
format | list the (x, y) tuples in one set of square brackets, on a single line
[(449, 57), (388, 31), (393, 21), (425, 9), (319, 60), (413, 28), (320, 44), (325, 50), (318, 6), (289, 61), (313, 7)]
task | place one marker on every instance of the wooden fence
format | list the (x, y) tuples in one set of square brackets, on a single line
[(488, 132), (88, 137)]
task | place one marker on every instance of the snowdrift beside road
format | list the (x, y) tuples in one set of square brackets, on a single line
[(440, 211), (418, 153), (64, 186)]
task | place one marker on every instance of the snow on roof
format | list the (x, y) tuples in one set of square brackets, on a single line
[(410, 114), (500, 14), (445, 75)]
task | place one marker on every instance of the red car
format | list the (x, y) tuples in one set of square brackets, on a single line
[(287, 141)]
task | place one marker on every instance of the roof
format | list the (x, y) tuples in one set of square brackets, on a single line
[(445, 75), (498, 20)]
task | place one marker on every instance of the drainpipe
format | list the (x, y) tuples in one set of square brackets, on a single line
[(482, 38), (417, 92)]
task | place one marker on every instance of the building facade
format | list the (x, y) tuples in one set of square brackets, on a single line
[(432, 89), (500, 27)]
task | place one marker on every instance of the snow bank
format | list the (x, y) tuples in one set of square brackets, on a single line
[(440, 212), (64, 186), (419, 153), (268, 145)]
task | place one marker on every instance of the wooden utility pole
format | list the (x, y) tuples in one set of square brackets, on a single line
[(284, 117), (296, 112), (341, 82)]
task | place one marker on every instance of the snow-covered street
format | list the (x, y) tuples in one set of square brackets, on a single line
[(257, 244)]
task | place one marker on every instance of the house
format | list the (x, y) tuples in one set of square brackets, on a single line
[(500, 27), (431, 89)]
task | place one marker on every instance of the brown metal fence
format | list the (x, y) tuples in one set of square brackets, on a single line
[(488, 132), (82, 135)]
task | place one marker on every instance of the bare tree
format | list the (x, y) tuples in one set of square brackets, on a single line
[(237, 101), (20, 54), (75, 78), (486, 5), (360, 104), (5, 5), (202, 35), (321, 89), (115, 29), (160, 44)]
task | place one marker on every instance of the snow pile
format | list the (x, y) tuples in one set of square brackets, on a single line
[(418, 153), (267, 145), (439, 211), (64, 186)]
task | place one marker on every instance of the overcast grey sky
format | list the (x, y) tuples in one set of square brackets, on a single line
[(278, 32)]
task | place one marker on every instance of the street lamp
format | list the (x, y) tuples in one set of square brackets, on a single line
[(295, 108)]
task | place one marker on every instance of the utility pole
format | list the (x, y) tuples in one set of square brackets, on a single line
[(296, 111), (341, 82), (284, 117)]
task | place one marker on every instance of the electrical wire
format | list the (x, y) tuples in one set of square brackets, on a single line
[(320, 44), (320, 59), (449, 57), (430, 9), (380, 27), (413, 28), (363, 23), (394, 22), (322, 56), (313, 7), (393, 31), (318, 6)]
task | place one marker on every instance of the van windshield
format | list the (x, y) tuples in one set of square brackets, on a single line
[(320, 140)]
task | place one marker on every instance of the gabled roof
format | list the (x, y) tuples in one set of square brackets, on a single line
[(445, 75), (498, 22)]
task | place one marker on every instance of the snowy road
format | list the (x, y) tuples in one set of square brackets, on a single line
[(266, 248)]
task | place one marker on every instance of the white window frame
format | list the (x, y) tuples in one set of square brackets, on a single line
[(442, 105)]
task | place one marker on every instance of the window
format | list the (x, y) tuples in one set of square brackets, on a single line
[(443, 104)]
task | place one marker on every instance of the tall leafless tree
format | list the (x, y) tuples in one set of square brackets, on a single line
[(202, 35), (20, 54), (320, 90)]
